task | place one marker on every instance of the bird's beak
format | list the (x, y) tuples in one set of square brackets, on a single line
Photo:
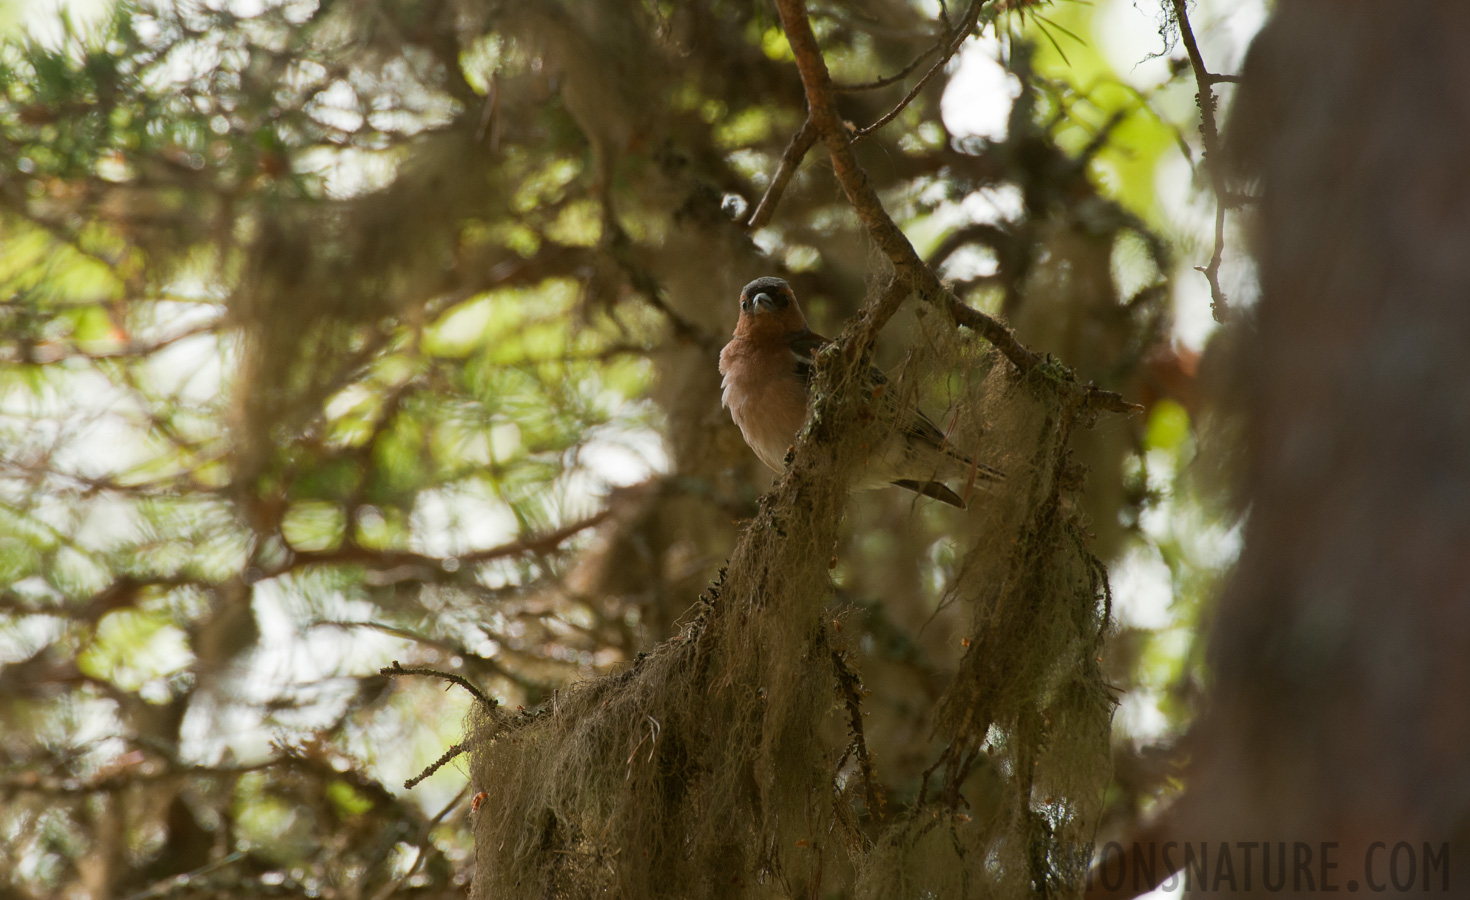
[(763, 302)]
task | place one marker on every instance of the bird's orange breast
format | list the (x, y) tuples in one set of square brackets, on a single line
[(765, 397)]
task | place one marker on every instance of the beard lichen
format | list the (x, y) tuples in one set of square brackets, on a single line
[(731, 761)]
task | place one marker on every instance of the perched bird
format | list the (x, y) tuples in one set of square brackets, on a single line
[(767, 369)]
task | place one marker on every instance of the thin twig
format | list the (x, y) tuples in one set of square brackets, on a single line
[(953, 41), (174, 882), (126, 779), (943, 758), (851, 687), (620, 248), (396, 669), (389, 889), (1098, 141), (45, 354), (437, 764), (444, 646), (896, 77), (992, 236), (392, 559), (796, 151), (1210, 133)]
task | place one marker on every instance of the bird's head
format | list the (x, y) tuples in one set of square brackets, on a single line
[(768, 305)]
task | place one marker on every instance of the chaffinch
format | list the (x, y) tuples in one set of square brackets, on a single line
[(767, 369)]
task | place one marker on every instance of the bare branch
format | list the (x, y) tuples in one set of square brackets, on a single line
[(450, 648), (397, 670), (619, 248), (437, 764), (48, 353), (954, 39), (390, 559), (1210, 133), (895, 78), (992, 236), (796, 151)]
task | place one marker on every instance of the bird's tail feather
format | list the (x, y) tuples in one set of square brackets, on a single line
[(933, 489), (979, 470)]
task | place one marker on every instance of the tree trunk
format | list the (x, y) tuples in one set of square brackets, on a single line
[(1341, 673)]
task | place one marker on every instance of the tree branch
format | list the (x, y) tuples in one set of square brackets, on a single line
[(851, 689), (437, 764), (994, 331), (389, 559), (953, 41), (822, 113), (47, 353), (895, 78), (796, 151), (992, 236), (396, 670), (1210, 133), (911, 275)]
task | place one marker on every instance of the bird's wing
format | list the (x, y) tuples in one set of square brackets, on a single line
[(921, 428), (804, 345), (917, 427)]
